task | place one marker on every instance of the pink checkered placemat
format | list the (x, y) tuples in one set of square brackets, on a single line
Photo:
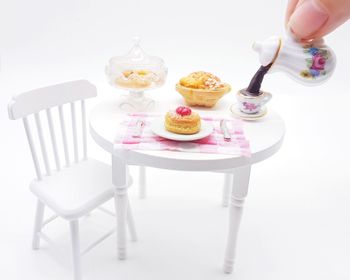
[(214, 143)]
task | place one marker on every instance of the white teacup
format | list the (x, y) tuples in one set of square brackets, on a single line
[(249, 104)]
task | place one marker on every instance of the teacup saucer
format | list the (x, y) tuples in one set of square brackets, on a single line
[(248, 117)]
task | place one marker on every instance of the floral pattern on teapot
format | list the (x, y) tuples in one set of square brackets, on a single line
[(316, 64)]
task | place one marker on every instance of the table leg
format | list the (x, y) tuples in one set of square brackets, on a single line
[(238, 194), (131, 223), (226, 189), (119, 174), (142, 182)]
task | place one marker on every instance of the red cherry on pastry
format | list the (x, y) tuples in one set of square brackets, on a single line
[(183, 111)]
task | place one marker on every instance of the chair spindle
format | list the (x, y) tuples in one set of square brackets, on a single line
[(53, 138), (64, 135), (42, 143), (32, 148), (74, 127), (83, 117)]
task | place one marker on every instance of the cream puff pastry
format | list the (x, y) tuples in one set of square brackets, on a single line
[(183, 121)]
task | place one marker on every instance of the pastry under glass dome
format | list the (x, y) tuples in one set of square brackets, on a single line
[(136, 72)]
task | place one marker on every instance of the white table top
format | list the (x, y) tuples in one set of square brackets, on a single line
[(265, 137)]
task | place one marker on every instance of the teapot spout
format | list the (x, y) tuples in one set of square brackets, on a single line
[(257, 46), (267, 49)]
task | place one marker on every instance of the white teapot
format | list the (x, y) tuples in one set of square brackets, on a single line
[(310, 63)]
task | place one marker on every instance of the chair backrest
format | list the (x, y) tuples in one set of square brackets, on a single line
[(24, 105)]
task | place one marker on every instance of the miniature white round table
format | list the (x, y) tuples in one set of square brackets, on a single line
[(265, 137)]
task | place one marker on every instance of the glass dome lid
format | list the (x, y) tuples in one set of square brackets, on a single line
[(137, 57), (136, 72)]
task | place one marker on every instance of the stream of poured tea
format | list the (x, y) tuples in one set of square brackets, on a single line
[(255, 84)]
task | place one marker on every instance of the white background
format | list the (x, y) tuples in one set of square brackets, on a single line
[(296, 223)]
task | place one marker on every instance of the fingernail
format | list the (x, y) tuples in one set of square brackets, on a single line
[(307, 19)]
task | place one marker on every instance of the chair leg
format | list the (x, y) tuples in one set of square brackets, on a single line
[(238, 194), (142, 182), (74, 231), (131, 223), (226, 189), (39, 217)]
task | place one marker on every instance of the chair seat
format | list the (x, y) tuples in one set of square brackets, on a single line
[(76, 190)]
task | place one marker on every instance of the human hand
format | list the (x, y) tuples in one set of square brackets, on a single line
[(312, 19)]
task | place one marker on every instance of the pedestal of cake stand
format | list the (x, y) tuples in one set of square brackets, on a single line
[(135, 101)]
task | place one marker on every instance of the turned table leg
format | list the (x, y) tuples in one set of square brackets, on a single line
[(238, 194), (142, 182), (226, 191), (119, 175)]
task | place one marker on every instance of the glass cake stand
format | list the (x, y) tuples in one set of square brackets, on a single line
[(136, 72)]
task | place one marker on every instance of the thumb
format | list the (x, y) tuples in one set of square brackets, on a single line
[(312, 19)]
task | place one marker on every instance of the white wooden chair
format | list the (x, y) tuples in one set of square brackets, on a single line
[(83, 184)]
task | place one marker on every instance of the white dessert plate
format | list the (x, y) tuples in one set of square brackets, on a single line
[(158, 128), (248, 117)]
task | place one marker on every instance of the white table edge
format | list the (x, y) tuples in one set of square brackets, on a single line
[(137, 157)]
